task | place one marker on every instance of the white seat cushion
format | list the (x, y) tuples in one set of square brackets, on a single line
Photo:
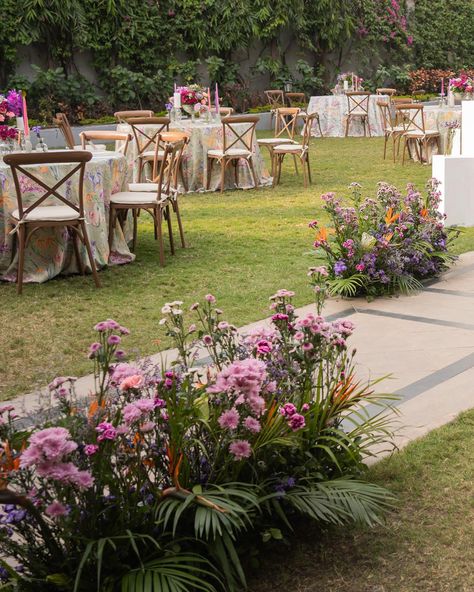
[(420, 133), (231, 152), (143, 187), (275, 141), (48, 214), (150, 154), (135, 198), (288, 148), (92, 147)]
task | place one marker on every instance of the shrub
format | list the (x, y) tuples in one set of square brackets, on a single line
[(384, 245), (155, 480)]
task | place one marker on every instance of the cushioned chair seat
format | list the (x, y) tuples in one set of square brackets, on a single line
[(288, 148), (92, 147), (275, 141), (231, 152), (135, 198), (150, 154), (420, 134), (143, 187), (48, 214), (398, 128)]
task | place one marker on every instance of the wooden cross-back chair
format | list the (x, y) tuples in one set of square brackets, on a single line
[(63, 124), (156, 200), (415, 132), (87, 139), (122, 116), (300, 151), (285, 127), (146, 131), (295, 97), (30, 218), (226, 111), (232, 151), (390, 130), (386, 91), (358, 108), (275, 98)]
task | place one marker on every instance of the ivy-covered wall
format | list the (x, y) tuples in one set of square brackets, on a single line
[(136, 49)]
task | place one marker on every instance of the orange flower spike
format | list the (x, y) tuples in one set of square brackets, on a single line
[(388, 237), (424, 213), (322, 235), (390, 217)]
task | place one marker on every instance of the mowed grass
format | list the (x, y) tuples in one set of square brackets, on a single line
[(426, 545), (242, 246)]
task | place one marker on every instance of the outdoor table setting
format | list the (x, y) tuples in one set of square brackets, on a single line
[(205, 135), (50, 251), (332, 110)]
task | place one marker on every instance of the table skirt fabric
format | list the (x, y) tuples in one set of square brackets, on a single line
[(204, 137), (50, 250)]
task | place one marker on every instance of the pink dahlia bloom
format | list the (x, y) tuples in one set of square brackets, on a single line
[(56, 509), (229, 420), (252, 424), (240, 449), (50, 444)]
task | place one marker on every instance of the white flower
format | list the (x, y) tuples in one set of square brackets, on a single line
[(177, 311), (176, 303), (166, 309), (162, 321)]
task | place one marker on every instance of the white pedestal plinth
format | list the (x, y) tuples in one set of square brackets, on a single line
[(468, 128), (456, 175)]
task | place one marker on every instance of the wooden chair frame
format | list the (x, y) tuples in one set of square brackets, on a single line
[(295, 97), (275, 98), (90, 136), (167, 194), (279, 154), (412, 117), (25, 228), (63, 124), (390, 131), (386, 91), (246, 138), (286, 119), (226, 111), (358, 106), (122, 116), (145, 140)]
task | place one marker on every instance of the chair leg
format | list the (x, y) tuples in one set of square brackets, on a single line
[(210, 164), (347, 126), (161, 248), (254, 174), (236, 172), (368, 126), (112, 222), (183, 178), (425, 148), (309, 169), (319, 126), (295, 162), (305, 180), (280, 164), (385, 146), (223, 167), (135, 224), (404, 150), (180, 224), (21, 257), (75, 243), (87, 244), (167, 215)]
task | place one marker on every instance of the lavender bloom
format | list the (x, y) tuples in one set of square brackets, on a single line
[(340, 267)]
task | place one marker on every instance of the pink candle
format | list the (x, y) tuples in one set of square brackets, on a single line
[(25, 116), (209, 97), (442, 87), (175, 87), (216, 98)]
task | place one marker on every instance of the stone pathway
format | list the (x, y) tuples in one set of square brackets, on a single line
[(426, 343)]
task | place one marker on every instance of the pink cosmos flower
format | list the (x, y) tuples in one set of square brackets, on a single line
[(131, 382), (240, 449), (210, 298), (114, 340), (56, 509), (252, 424), (229, 420), (307, 346)]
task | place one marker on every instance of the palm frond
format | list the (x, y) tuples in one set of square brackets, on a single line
[(346, 287), (407, 284)]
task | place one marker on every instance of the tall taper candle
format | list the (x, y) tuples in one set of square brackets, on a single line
[(25, 116), (216, 98)]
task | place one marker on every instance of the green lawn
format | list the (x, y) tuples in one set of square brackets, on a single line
[(243, 245), (426, 545)]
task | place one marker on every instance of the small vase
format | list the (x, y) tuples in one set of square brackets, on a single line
[(41, 146)]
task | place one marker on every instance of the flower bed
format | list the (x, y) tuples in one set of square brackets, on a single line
[(163, 477), (384, 245)]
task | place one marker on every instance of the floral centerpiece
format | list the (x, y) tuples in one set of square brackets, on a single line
[(160, 477), (10, 107), (348, 80), (462, 85), (194, 98), (384, 245)]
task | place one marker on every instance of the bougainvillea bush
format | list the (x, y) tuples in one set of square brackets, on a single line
[(164, 476), (384, 245)]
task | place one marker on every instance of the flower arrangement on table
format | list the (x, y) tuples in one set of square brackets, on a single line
[(194, 99), (161, 474), (462, 85), (349, 80), (10, 107), (384, 245), (451, 127)]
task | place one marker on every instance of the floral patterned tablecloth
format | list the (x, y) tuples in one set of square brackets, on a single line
[(435, 117), (204, 137), (50, 251), (333, 110)]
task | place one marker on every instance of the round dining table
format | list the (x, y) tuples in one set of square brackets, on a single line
[(50, 250), (333, 109), (204, 136)]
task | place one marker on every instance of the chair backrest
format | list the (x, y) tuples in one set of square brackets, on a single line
[(401, 100), (386, 91), (285, 121), (17, 162), (276, 98), (167, 178), (308, 126), (411, 117), (146, 138), (385, 113), (62, 122), (87, 138), (122, 116), (294, 97), (233, 135), (358, 101), (226, 111), (170, 138)]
